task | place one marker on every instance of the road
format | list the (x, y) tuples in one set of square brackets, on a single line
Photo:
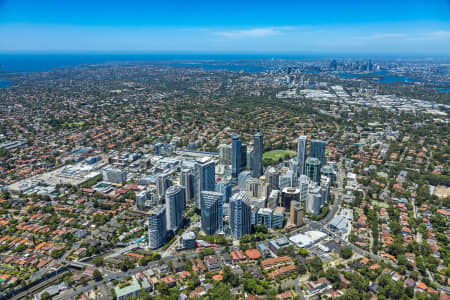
[(39, 286), (338, 195), (298, 289), (111, 276), (60, 260)]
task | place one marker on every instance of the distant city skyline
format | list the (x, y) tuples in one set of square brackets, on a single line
[(391, 27)]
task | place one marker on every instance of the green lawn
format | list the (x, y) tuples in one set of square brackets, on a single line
[(274, 156), (380, 204)]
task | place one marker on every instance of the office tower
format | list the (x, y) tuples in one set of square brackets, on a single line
[(274, 199), (278, 217), (158, 147), (287, 179), (289, 194), (325, 188), (236, 155), (188, 240), (254, 210), (295, 168), (312, 169), (162, 184), (157, 230), (296, 214), (264, 217), (225, 188), (242, 179), (114, 175), (328, 172), (141, 197), (164, 149), (273, 178), (240, 215), (204, 179), (212, 212), (243, 157), (175, 199), (226, 209), (304, 187), (224, 154), (301, 153), (255, 188), (258, 148), (249, 159), (187, 181), (317, 150), (314, 200)]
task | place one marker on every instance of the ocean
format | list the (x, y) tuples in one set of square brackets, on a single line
[(13, 63), (45, 62), (4, 83)]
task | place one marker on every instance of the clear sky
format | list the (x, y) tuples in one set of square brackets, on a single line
[(227, 26)]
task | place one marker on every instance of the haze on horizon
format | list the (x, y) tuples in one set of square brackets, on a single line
[(415, 27)]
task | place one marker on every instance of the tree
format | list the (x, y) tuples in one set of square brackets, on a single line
[(98, 261), (352, 237), (352, 294), (332, 275), (221, 292), (301, 269), (315, 265), (303, 252), (57, 253), (346, 252), (97, 276), (45, 296), (190, 284), (163, 288)]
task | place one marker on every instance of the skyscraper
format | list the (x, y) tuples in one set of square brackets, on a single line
[(236, 155), (243, 157), (312, 169), (175, 199), (264, 217), (157, 230), (329, 172), (289, 194), (240, 215), (317, 150), (249, 159), (225, 188), (314, 200), (258, 148), (224, 154), (204, 179), (273, 178), (304, 187), (187, 181), (162, 184), (301, 153), (296, 214), (212, 212)]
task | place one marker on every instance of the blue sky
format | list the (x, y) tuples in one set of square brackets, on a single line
[(278, 26)]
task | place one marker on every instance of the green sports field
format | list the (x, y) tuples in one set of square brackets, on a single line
[(274, 156)]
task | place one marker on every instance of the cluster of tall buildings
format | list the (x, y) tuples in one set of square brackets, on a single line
[(198, 186), (259, 198), (315, 177), (242, 159), (164, 218)]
